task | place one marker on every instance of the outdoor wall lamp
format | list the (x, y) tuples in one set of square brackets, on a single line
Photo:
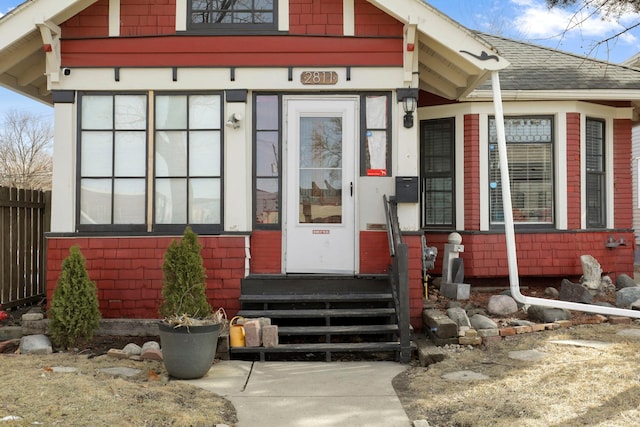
[(234, 121), (409, 99)]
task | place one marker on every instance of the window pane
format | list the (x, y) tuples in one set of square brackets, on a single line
[(171, 112), (376, 112), (267, 114), (171, 201), (377, 151), (267, 194), (204, 112), (130, 153), (95, 201), (171, 154), (129, 201), (96, 154), (97, 112), (321, 142), (204, 153), (267, 153), (438, 172), (530, 156), (321, 196), (204, 200), (131, 112)]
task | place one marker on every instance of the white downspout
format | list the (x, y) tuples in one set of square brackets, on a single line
[(514, 283)]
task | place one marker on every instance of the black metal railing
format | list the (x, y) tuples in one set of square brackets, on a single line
[(399, 276)]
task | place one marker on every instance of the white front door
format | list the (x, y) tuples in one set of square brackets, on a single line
[(321, 144)]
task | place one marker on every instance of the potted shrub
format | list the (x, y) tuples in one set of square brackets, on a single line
[(189, 330)]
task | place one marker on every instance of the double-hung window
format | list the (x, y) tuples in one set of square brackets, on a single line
[(124, 183), (530, 159), (437, 158), (232, 15), (595, 161)]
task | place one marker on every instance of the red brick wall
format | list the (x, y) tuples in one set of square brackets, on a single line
[(91, 22), (574, 187), (266, 252), (374, 252), (372, 22), (622, 181), (128, 271), (147, 17), (471, 171)]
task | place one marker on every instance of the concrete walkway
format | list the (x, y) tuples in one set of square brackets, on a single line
[(301, 394)]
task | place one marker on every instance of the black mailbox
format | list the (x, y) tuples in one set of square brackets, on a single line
[(407, 189)]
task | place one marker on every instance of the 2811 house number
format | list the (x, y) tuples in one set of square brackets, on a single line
[(319, 78)]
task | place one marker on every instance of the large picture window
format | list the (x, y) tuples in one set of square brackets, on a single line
[(232, 15), (437, 158), (188, 162), (115, 172), (595, 187), (530, 156), (112, 153)]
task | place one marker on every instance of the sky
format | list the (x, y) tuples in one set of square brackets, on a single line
[(527, 20)]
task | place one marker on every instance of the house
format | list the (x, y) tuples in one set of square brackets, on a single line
[(275, 129)]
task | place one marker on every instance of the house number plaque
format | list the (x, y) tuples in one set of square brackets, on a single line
[(319, 78)]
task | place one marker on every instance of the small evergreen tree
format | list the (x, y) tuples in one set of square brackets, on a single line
[(184, 289), (74, 314)]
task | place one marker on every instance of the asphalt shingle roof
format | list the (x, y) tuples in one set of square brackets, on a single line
[(540, 68)]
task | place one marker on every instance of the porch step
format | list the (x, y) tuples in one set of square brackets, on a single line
[(319, 316)]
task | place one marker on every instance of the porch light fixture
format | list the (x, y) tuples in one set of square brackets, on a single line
[(409, 99), (234, 121)]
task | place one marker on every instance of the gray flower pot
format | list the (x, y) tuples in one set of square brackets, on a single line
[(188, 353)]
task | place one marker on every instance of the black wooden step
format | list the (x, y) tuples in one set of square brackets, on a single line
[(337, 330), (319, 313), (304, 297)]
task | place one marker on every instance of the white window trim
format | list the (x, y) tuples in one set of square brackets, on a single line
[(348, 18), (114, 18)]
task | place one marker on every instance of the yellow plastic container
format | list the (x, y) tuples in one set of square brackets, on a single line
[(236, 332)]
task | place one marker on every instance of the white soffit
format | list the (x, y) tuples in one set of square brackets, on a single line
[(452, 60), (22, 58)]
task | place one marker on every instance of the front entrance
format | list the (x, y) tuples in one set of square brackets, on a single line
[(320, 232)]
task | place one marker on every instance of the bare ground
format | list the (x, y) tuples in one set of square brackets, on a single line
[(34, 391)]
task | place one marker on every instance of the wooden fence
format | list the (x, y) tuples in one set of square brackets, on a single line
[(24, 218)]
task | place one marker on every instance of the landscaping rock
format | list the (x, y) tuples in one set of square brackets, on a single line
[(627, 296), (624, 281), (574, 292), (547, 314), (458, 315), (132, 349), (121, 372), (502, 305), (591, 272), (150, 345), (151, 354), (479, 321), (465, 376), (551, 292), (439, 325), (35, 344), (10, 332), (527, 355), (117, 353)]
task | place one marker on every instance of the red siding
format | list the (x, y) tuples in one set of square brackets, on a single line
[(574, 206), (372, 22), (91, 22), (471, 171), (147, 17), (232, 51), (374, 252), (128, 271), (553, 255), (266, 252), (622, 181), (308, 17)]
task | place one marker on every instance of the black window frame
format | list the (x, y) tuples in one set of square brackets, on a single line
[(425, 175), (222, 28), (256, 177), (205, 229), (600, 209), (363, 133), (111, 227)]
